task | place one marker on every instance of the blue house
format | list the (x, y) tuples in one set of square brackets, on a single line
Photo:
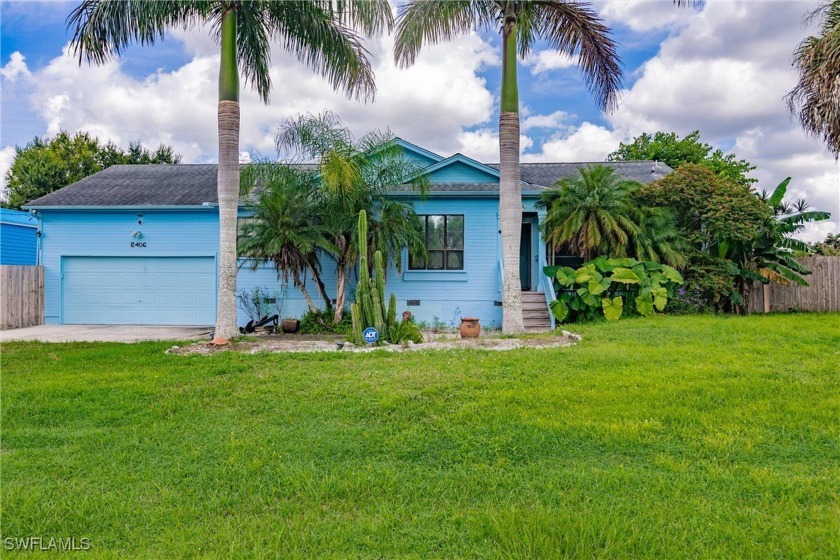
[(138, 244), (18, 237)]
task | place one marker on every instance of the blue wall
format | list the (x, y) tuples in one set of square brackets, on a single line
[(18, 238), (445, 295), (109, 233)]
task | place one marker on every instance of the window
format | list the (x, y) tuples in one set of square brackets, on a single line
[(444, 235), (560, 257), (241, 221)]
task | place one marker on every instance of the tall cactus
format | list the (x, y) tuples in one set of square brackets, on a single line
[(370, 308)]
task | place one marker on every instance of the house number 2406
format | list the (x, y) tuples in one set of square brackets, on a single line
[(138, 243)]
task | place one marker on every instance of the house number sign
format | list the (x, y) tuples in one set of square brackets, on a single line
[(138, 243)]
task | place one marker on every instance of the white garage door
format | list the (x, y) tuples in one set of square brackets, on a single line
[(139, 290)]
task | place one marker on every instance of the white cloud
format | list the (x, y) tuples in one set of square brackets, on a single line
[(7, 156), (643, 15), (726, 72), (429, 103), (15, 68), (547, 60), (483, 144), (588, 142), (554, 120)]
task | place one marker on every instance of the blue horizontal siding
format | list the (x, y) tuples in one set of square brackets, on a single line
[(460, 172), (18, 244), (109, 234), (445, 296)]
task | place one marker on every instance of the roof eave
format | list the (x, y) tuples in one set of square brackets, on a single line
[(203, 206)]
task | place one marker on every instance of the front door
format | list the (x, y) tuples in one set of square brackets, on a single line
[(525, 257)]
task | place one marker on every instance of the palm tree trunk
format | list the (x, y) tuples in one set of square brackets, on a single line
[(228, 179), (300, 286), (340, 291), (510, 189), (322, 289)]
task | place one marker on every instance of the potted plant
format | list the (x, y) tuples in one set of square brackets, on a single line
[(470, 327), (289, 325)]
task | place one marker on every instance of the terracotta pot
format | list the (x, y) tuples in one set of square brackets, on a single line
[(470, 328), (290, 326)]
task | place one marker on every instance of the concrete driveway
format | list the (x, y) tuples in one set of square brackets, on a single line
[(103, 333)]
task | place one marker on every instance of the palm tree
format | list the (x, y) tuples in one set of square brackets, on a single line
[(572, 28), (319, 32), (355, 175), (284, 227), (657, 238), (815, 99), (594, 214)]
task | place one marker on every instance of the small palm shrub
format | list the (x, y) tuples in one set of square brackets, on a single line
[(602, 286), (322, 322)]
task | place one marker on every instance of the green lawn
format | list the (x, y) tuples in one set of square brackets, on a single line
[(677, 437)]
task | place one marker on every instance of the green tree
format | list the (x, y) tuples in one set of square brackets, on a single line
[(319, 32), (830, 247), (674, 151), (350, 175), (815, 99), (45, 165), (284, 229), (594, 214), (571, 28), (736, 237), (705, 206)]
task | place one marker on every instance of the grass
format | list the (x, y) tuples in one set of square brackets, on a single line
[(677, 437)]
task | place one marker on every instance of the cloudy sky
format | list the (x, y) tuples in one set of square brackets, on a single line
[(722, 68)]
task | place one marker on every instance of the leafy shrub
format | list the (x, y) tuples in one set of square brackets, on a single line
[(406, 331), (602, 286), (321, 322), (689, 300)]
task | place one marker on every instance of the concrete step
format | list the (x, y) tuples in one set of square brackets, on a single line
[(535, 330), (535, 313)]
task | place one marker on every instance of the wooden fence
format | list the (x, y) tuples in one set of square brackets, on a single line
[(822, 293), (21, 296)]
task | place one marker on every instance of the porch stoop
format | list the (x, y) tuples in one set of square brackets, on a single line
[(535, 312)]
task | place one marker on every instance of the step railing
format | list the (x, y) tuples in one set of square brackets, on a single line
[(547, 287)]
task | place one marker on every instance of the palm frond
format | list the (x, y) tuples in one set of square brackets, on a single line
[(422, 22), (325, 44), (577, 30), (815, 99), (371, 17), (102, 29)]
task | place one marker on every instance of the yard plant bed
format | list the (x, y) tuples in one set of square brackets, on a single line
[(669, 437), (329, 343)]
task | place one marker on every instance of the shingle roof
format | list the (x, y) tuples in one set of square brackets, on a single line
[(139, 185), (463, 187), (195, 184), (546, 174)]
